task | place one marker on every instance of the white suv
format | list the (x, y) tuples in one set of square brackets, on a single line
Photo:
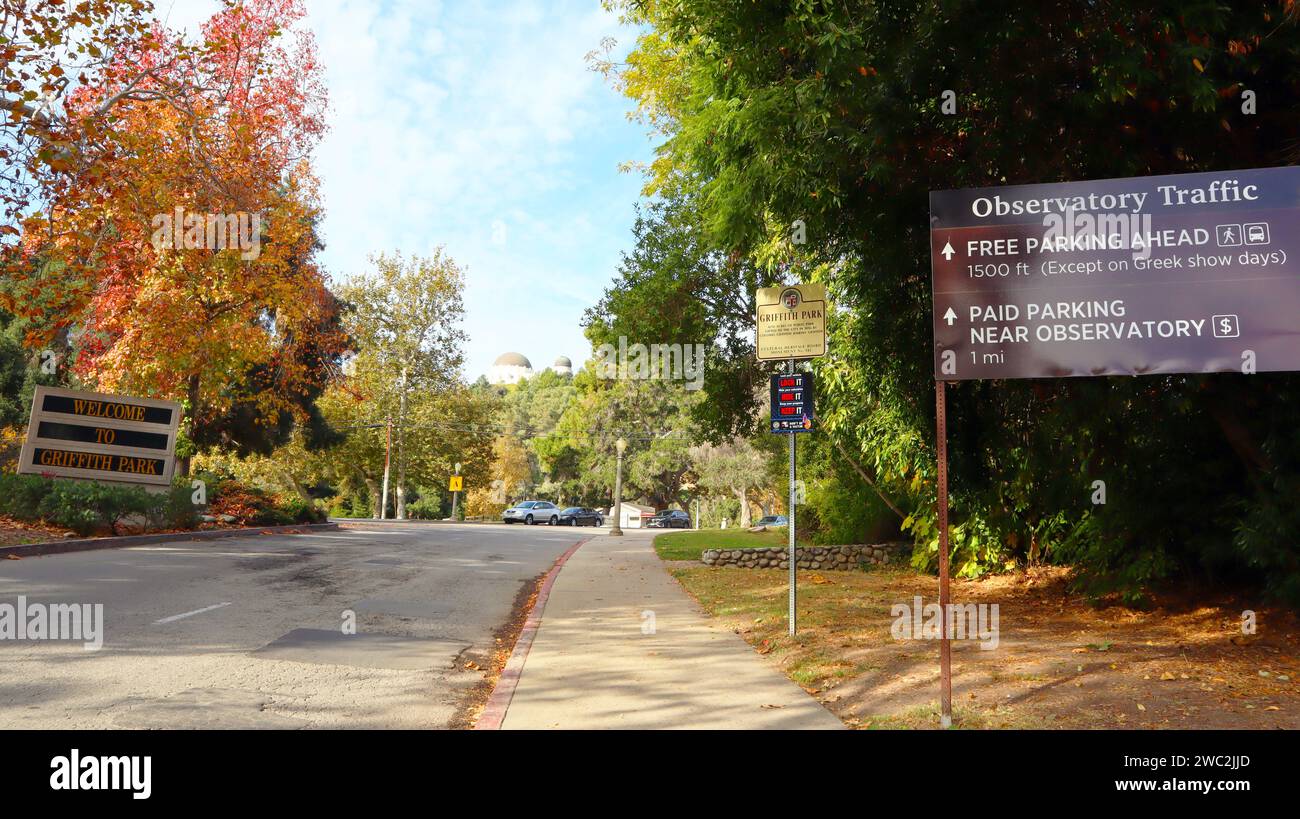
[(531, 512)]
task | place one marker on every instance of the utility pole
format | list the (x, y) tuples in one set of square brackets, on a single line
[(388, 457), (617, 529), (401, 451)]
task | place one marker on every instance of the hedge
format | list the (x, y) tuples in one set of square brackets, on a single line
[(88, 508)]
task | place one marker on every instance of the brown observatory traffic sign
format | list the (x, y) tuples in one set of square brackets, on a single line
[(1160, 274)]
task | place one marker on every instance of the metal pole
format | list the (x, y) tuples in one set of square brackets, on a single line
[(790, 525), (945, 645), (617, 529), (454, 496), (388, 456)]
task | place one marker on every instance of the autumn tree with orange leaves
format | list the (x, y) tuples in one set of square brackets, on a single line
[(218, 132)]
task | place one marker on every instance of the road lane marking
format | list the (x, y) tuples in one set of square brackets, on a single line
[(175, 617)]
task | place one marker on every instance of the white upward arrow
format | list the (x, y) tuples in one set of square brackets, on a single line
[(950, 316), (947, 251)]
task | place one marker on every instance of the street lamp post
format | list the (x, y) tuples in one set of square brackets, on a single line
[(617, 530)]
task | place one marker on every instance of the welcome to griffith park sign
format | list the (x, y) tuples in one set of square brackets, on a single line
[(98, 437)]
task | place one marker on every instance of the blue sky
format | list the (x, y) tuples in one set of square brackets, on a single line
[(480, 127)]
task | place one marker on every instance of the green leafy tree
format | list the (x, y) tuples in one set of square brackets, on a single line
[(736, 467), (831, 117), (406, 318)]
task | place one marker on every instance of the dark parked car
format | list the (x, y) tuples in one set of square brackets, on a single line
[(581, 516), (670, 519)]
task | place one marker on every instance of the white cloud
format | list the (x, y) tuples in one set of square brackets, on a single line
[(447, 119), (460, 117)]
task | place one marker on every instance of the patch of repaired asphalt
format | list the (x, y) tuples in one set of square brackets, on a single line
[(362, 650)]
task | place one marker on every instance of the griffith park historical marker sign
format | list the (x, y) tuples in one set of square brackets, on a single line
[(98, 437), (791, 322), (1193, 273)]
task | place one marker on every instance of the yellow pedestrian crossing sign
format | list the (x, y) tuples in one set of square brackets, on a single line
[(456, 483)]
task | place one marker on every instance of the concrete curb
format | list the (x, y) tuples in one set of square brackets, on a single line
[(95, 543), (494, 712)]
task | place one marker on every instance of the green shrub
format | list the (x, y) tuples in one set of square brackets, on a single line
[(1265, 538), (426, 508), (21, 495), (301, 511), (174, 509), (87, 508), (841, 509), (271, 516), (351, 505)]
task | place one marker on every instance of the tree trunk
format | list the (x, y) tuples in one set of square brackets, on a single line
[(192, 393), (376, 494), (296, 485), (744, 508)]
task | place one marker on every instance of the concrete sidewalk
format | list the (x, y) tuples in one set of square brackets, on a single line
[(591, 665)]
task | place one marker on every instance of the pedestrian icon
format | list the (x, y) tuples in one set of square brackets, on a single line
[(1256, 233), (1228, 235)]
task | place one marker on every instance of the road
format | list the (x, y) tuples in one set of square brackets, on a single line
[(248, 632)]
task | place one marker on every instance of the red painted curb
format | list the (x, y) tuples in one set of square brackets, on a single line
[(494, 713)]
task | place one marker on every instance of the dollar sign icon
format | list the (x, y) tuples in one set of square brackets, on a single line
[(1225, 326)]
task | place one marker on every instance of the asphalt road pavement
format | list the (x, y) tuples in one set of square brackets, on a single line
[(249, 632)]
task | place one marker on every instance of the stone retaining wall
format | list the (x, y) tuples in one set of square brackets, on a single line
[(808, 557)]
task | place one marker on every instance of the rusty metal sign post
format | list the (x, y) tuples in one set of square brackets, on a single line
[(945, 643)]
